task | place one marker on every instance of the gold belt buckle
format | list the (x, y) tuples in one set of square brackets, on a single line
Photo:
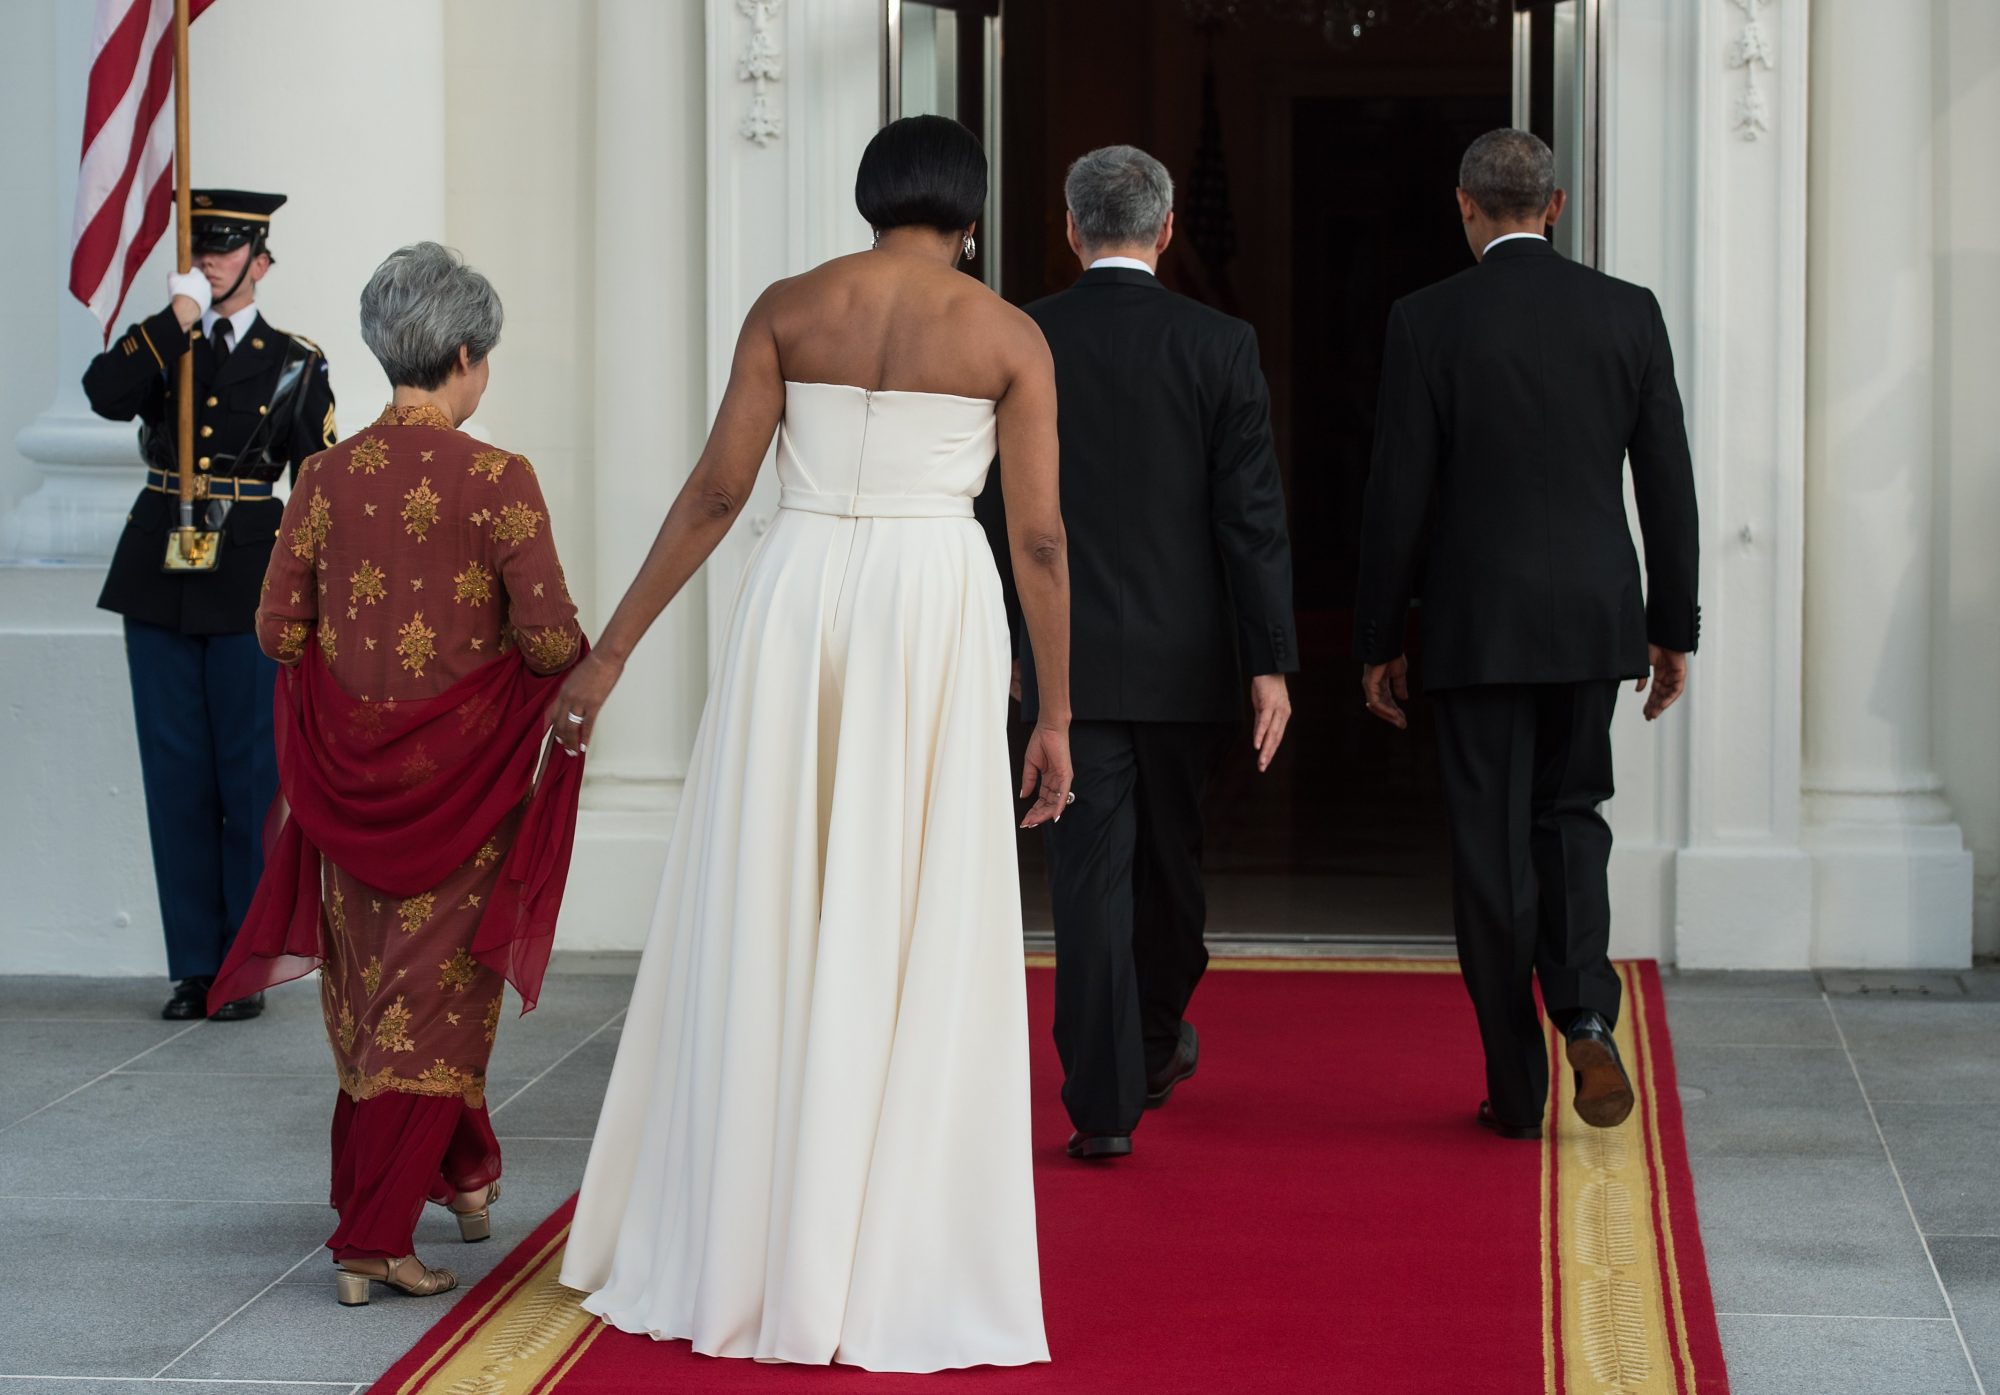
[(201, 486)]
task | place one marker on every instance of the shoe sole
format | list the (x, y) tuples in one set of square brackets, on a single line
[(1603, 1091), (1520, 1133), (1155, 1101), (1096, 1149)]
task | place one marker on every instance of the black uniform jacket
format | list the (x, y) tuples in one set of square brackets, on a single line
[(1180, 566), (267, 407), (1512, 395)]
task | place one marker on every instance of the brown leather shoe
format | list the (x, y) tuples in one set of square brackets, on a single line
[(1187, 1055), (1603, 1090)]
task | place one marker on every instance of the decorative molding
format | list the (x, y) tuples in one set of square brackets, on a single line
[(760, 64), (1751, 50)]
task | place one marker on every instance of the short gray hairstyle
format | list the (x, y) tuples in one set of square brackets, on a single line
[(1509, 173), (1119, 195), (420, 307)]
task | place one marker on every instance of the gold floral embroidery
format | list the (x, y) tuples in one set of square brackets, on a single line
[(310, 535), (562, 584), (471, 901), (451, 1019), (346, 1028), (367, 718), (370, 584), (328, 641), (292, 641), (481, 518), (336, 911), (539, 588), (490, 463), (297, 599), (444, 1079), (392, 1032), (487, 855), (417, 644), (518, 522), (493, 1017), (418, 768), (427, 456), (414, 414), (371, 453), (416, 583), (550, 649), (371, 977), (480, 714), (420, 509), (416, 911), (368, 509), (456, 972), (475, 584)]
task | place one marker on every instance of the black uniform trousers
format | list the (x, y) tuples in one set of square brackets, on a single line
[(203, 704), (1125, 883), (1525, 767)]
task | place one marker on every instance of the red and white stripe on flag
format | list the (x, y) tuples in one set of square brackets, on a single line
[(125, 188)]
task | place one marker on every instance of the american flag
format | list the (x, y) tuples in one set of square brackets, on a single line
[(125, 189)]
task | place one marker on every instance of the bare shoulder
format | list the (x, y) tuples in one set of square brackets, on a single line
[(1014, 334)]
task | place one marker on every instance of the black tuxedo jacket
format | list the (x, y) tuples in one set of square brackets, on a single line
[(1179, 564), (1514, 393)]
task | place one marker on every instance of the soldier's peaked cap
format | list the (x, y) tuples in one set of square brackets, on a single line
[(225, 219)]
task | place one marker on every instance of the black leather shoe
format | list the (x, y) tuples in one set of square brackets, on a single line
[(190, 1001), (1187, 1055), (1603, 1090), (242, 1010), (1489, 1120), (1100, 1145)]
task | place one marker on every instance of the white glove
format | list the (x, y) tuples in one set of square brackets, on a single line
[(193, 285)]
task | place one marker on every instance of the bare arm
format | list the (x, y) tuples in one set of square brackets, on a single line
[(705, 510), (1030, 489)]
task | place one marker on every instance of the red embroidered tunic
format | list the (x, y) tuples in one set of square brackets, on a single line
[(413, 554)]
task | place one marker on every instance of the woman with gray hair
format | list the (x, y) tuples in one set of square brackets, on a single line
[(416, 601)]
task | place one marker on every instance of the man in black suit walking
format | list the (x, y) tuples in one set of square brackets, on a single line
[(1180, 582), (1513, 393)]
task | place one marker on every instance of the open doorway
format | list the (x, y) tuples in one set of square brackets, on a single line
[(1315, 168)]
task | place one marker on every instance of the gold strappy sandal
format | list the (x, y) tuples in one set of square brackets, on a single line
[(474, 1226), (351, 1285)]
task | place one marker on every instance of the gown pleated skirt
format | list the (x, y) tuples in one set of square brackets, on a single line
[(815, 1142)]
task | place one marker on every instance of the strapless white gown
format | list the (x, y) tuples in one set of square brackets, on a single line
[(814, 1146)]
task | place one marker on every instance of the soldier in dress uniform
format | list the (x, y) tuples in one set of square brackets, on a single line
[(201, 688)]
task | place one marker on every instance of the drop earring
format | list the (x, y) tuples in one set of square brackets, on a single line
[(874, 238), (970, 247)]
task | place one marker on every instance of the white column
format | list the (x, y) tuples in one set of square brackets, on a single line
[(1742, 884), (1893, 881), (650, 416)]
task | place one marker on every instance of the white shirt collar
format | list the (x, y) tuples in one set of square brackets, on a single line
[(1508, 237), (239, 324), (1129, 263)]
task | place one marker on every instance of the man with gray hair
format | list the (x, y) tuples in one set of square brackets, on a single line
[(1180, 584), (1512, 396)]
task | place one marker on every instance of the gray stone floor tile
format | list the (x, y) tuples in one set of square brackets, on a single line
[(1843, 1356), (46, 1058), (1950, 1161), (207, 1137), (10, 1385), (1970, 1268), (1730, 983), (1813, 1236), (1725, 1021), (41, 996), (1777, 1104), (1942, 1050), (1810, 1077), (121, 1291), (563, 1103)]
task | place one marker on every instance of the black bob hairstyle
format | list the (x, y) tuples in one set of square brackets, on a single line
[(922, 171)]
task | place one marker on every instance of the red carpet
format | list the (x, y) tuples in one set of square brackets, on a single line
[(1315, 1211)]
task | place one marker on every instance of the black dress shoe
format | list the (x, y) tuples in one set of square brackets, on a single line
[(1603, 1090), (242, 1010), (1187, 1055), (1489, 1120), (1100, 1145), (190, 1001)]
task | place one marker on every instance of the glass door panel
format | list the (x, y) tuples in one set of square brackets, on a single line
[(1556, 95), (942, 58)]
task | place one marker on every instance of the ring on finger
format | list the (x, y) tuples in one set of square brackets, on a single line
[(1069, 796)]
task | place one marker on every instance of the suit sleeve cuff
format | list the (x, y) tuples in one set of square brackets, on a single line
[(1675, 626)]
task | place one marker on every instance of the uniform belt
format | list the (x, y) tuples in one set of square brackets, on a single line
[(877, 505), (209, 486)]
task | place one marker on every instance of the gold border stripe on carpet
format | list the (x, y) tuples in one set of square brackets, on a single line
[(1615, 1326), (1307, 966), (1650, 1101), (516, 1341)]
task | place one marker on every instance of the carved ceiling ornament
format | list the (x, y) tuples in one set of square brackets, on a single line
[(760, 64), (1752, 49)]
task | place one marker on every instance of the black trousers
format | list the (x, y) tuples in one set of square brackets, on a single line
[(1525, 767), (203, 707), (1125, 882)]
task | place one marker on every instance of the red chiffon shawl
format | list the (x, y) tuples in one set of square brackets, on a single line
[(399, 794)]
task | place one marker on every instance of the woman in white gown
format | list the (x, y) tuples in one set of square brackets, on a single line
[(814, 1146)]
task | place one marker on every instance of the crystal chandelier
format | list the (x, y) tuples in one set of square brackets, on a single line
[(1342, 23)]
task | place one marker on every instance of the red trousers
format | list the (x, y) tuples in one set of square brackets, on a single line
[(393, 1153)]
